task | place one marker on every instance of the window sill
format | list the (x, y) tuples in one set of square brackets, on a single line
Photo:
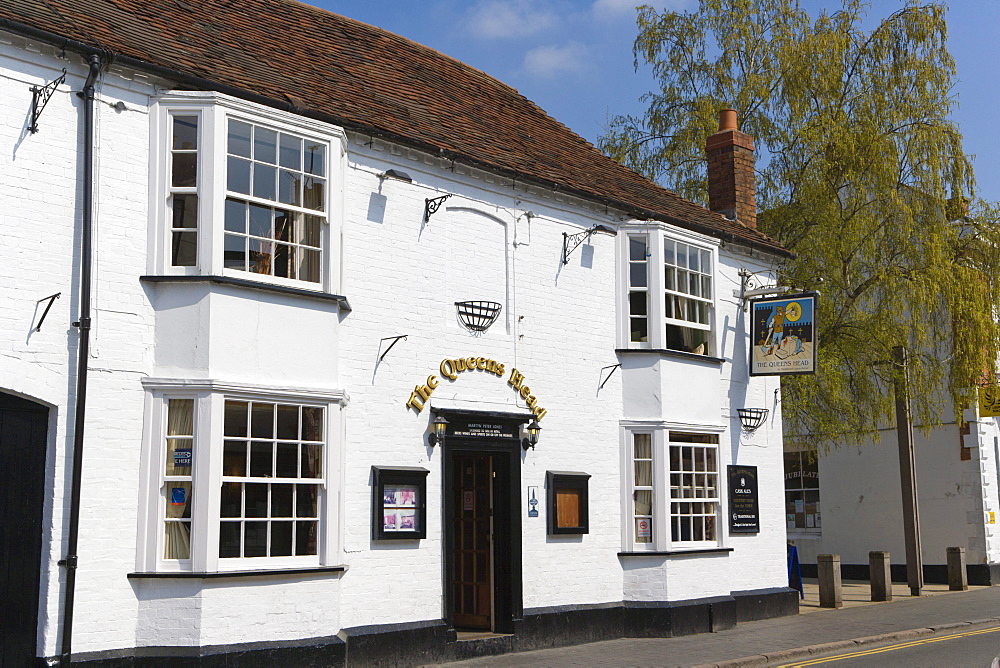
[(677, 553), (254, 285), (238, 574), (664, 352)]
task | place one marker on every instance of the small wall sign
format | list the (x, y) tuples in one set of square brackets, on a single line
[(533, 501), (744, 510), (989, 401), (182, 457)]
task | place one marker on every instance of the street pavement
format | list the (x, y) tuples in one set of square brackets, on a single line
[(814, 631)]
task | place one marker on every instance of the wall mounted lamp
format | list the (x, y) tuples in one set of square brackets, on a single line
[(396, 174), (438, 429), (532, 438)]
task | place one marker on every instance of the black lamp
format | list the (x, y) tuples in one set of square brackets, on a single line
[(532, 438), (438, 429)]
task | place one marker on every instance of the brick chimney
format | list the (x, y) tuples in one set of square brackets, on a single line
[(731, 189)]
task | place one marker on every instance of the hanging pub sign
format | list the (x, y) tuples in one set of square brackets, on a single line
[(989, 401), (744, 512), (783, 335)]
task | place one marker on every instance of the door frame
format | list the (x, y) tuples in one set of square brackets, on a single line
[(508, 606)]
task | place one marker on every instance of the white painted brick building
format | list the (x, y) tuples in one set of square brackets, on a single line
[(271, 288)]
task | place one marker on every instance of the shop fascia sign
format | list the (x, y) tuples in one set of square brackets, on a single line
[(451, 368)]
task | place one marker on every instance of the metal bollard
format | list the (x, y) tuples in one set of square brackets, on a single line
[(958, 579), (880, 576), (831, 594)]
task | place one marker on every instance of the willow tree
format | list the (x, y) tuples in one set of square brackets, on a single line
[(860, 172)]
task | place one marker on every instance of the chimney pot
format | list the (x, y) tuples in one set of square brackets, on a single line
[(727, 120)]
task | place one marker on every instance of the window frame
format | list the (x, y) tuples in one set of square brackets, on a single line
[(214, 112), (207, 477), (662, 500), (656, 319)]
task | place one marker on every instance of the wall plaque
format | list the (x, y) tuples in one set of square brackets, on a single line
[(744, 511)]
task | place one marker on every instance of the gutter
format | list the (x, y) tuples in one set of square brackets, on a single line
[(200, 83), (83, 355)]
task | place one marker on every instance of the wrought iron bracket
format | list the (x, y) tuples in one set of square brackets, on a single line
[(613, 368), (40, 97), (394, 339), (431, 206), (752, 285), (572, 241), (51, 299)]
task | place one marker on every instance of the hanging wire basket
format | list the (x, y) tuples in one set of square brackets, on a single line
[(478, 316), (752, 418)]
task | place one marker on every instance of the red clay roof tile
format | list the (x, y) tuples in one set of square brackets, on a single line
[(367, 79)]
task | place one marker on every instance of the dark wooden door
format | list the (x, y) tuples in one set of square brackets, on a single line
[(23, 426), (472, 490)]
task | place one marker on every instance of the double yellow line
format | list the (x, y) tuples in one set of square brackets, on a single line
[(890, 648)]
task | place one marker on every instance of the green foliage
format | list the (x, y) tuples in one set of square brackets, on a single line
[(860, 173)]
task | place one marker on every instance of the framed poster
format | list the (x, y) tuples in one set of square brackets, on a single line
[(783, 335), (744, 510), (568, 502), (399, 502)]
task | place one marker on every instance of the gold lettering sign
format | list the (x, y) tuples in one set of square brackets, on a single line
[(451, 368)]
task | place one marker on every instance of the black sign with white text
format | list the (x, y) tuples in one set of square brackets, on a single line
[(744, 512)]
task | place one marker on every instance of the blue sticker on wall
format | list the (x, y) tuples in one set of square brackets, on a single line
[(182, 457), (178, 496)]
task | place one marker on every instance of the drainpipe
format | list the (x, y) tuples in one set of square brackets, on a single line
[(83, 355)]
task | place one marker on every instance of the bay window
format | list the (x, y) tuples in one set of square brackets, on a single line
[(238, 481), (247, 192), (669, 301), (673, 483)]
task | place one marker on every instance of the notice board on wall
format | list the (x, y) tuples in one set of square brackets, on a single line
[(744, 508)]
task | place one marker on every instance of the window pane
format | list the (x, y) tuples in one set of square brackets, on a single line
[(637, 248), (262, 421), (637, 303), (255, 539), (309, 231), (643, 473), (185, 211), (287, 460), (668, 252), (265, 145), (639, 330), (668, 278), (315, 162), (289, 187), (312, 460), (314, 195), (284, 261), (239, 139), (305, 500), (259, 258), (706, 262), (184, 173), (236, 418), (185, 133), (238, 175), (288, 422), (264, 181), (232, 500), (305, 538), (184, 249), (255, 503), (234, 458), (236, 216), (229, 539), (235, 253), (178, 499), (179, 456), (291, 152), (637, 275), (682, 255), (260, 221), (180, 417), (309, 265), (642, 446), (281, 500), (177, 540), (261, 456), (694, 258), (284, 221), (312, 423), (281, 539)]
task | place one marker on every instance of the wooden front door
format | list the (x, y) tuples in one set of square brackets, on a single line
[(23, 428), (472, 526)]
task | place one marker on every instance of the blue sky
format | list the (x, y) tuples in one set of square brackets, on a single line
[(573, 58)]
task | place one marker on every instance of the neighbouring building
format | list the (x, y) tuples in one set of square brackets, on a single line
[(847, 500), (317, 345)]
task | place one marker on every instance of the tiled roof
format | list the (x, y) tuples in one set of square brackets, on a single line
[(367, 79)]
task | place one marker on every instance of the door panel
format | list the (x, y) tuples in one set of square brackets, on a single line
[(472, 490), (23, 427)]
